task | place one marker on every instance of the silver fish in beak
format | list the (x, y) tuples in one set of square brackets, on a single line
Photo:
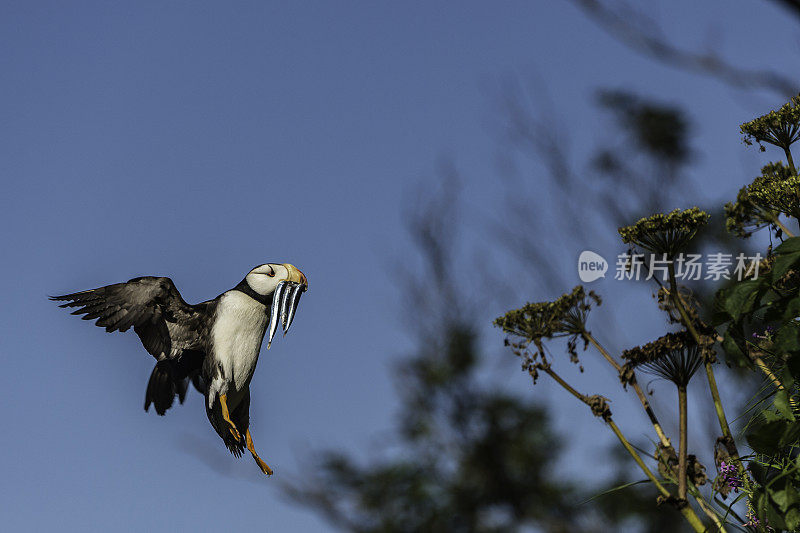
[(294, 300), (285, 300), (277, 297)]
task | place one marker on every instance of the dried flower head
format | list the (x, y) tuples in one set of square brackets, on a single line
[(599, 406), (696, 471), (687, 296), (665, 233), (780, 128), (564, 317), (667, 461), (675, 357), (668, 465)]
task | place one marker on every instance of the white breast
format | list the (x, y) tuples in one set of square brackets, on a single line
[(236, 335)]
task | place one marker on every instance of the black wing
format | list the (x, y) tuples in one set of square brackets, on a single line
[(165, 323)]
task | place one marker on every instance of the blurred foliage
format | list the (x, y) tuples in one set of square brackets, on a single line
[(761, 315), (644, 159), (467, 458), (465, 455), (658, 130), (470, 459)]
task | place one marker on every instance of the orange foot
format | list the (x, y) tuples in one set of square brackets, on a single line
[(223, 401), (261, 464)]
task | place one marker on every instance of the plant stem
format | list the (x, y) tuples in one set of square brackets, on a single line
[(665, 442), (682, 450), (761, 365), (712, 381), (687, 512), (759, 362), (767, 372), (784, 229), (639, 392), (709, 512), (729, 510), (790, 160)]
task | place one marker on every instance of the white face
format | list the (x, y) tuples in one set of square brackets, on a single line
[(264, 278)]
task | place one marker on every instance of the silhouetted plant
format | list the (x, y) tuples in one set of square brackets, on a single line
[(756, 323), (774, 193), (780, 128)]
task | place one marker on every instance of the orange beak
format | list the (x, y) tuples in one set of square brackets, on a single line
[(295, 275)]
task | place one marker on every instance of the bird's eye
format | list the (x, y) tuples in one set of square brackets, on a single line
[(271, 272)]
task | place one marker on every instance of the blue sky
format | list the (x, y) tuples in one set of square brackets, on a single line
[(199, 139)]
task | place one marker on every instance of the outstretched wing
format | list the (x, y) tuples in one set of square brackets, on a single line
[(165, 323)]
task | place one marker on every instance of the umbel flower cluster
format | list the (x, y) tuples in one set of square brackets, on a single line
[(563, 317), (665, 233), (780, 128), (674, 357), (775, 192)]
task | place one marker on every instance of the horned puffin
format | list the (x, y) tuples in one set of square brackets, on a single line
[(214, 344)]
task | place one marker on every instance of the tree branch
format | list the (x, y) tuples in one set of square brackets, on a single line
[(626, 27)]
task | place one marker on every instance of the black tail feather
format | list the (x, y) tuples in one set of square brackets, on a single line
[(162, 387), (171, 377), (181, 387)]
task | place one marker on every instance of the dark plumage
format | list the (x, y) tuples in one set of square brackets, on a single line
[(213, 344), (165, 323)]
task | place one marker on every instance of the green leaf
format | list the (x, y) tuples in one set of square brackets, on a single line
[(718, 313), (792, 310), (782, 265), (790, 436), (773, 309), (741, 298), (774, 513), (786, 340), (782, 404), (732, 347), (765, 438), (758, 471), (787, 501), (780, 499), (793, 519), (775, 518), (761, 503), (793, 363), (615, 489), (792, 497), (786, 377), (788, 246)]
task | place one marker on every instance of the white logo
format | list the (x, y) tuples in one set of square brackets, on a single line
[(591, 266)]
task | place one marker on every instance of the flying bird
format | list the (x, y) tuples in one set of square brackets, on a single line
[(214, 344)]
